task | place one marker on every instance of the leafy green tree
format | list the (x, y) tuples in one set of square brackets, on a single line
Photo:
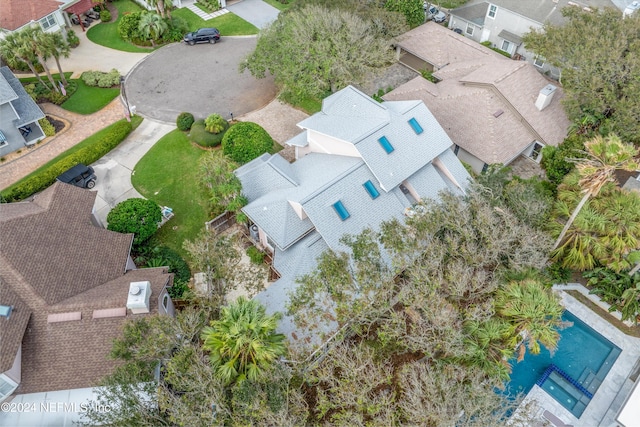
[(603, 157), (313, 49), (245, 141), (620, 290), (214, 123), (597, 55), (152, 26), (487, 346), (224, 187), (412, 9), (139, 216), (534, 313), (554, 159), (243, 343)]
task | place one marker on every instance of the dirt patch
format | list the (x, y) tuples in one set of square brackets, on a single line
[(58, 125), (391, 77)]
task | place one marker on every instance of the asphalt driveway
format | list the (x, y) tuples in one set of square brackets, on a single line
[(200, 79)]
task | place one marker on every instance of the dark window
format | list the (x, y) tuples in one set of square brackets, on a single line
[(415, 126), (371, 189), (386, 144), (456, 149), (342, 212)]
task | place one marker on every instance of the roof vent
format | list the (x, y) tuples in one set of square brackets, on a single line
[(545, 96), (498, 113), (138, 297)]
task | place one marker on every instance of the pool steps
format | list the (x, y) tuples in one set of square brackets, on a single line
[(553, 368)]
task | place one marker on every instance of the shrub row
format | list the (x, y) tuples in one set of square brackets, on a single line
[(211, 5), (87, 155), (101, 79)]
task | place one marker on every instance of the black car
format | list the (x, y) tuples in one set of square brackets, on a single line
[(203, 35), (80, 175)]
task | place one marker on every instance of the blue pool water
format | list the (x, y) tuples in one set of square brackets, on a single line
[(581, 362)]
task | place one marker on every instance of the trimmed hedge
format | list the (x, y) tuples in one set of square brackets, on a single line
[(245, 141), (47, 127), (87, 155), (200, 136), (101, 79)]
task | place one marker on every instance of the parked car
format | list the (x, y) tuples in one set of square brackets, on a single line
[(203, 35), (80, 175), (434, 13)]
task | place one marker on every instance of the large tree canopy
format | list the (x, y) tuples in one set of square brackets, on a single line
[(313, 49), (598, 55)]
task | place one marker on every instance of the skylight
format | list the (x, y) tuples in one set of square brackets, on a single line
[(416, 126), (5, 310), (386, 144), (371, 189), (342, 212)]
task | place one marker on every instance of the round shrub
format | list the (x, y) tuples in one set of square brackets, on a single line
[(105, 16), (245, 141), (184, 121), (200, 136), (72, 38), (138, 216), (128, 26), (215, 123)]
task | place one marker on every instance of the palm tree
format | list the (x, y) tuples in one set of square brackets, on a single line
[(243, 343), (533, 313), (152, 26), (162, 7), (604, 157), (56, 46), (486, 346), (15, 51), (32, 37)]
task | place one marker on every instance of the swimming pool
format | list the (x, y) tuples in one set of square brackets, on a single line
[(573, 373)]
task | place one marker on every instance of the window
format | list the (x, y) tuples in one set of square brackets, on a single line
[(469, 29), (538, 61), (4, 143), (492, 11), (506, 46), (165, 302), (536, 153), (5, 310), (342, 212), (485, 167), (7, 386), (371, 189), (456, 149), (386, 144), (415, 126), (47, 22)]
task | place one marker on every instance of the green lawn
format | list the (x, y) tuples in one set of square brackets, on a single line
[(135, 122), (280, 6), (168, 175), (229, 24), (87, 99), (106, 33)]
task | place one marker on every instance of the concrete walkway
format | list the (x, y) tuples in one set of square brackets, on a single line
[(256, 12), (204, 15), (114, 170)]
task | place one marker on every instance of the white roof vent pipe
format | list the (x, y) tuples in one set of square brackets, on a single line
[(138, 297), (545, 96)]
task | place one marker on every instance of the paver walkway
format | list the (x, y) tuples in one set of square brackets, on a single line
[(82, 126), (204, 15)]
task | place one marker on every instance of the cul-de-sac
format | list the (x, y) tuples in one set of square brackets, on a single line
[(293, 213)]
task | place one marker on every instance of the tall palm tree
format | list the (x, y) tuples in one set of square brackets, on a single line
[(534, 314), (15, 51), (604, 157), (152, 26), (486, 346), (243, 343), (162, 7), (32, 39), (57, 47)]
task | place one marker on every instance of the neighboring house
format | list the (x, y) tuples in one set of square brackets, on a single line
[(17, 14), (66, 288), (19, 115), (358, 163), (494, 109), (504, 22)]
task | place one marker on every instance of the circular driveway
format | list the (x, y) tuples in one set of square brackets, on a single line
[(201, 79)]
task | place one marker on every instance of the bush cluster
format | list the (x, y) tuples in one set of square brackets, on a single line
[(129, 29), (136, 215), (72, 38), (105, 16), (245, 141), (101, 79), (87, 155), (255, 255), (47, 127), (211, 5), (184, 121), (200, 136)]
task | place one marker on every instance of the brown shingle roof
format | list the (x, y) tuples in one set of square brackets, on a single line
[(57, 249), (473, 87), (70, 275), (16, 13)]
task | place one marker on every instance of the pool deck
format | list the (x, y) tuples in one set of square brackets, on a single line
[(613, 391)]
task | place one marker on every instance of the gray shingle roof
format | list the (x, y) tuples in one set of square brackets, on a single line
[(28, 111), (6, 91), (472, 12), (262, 175)]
